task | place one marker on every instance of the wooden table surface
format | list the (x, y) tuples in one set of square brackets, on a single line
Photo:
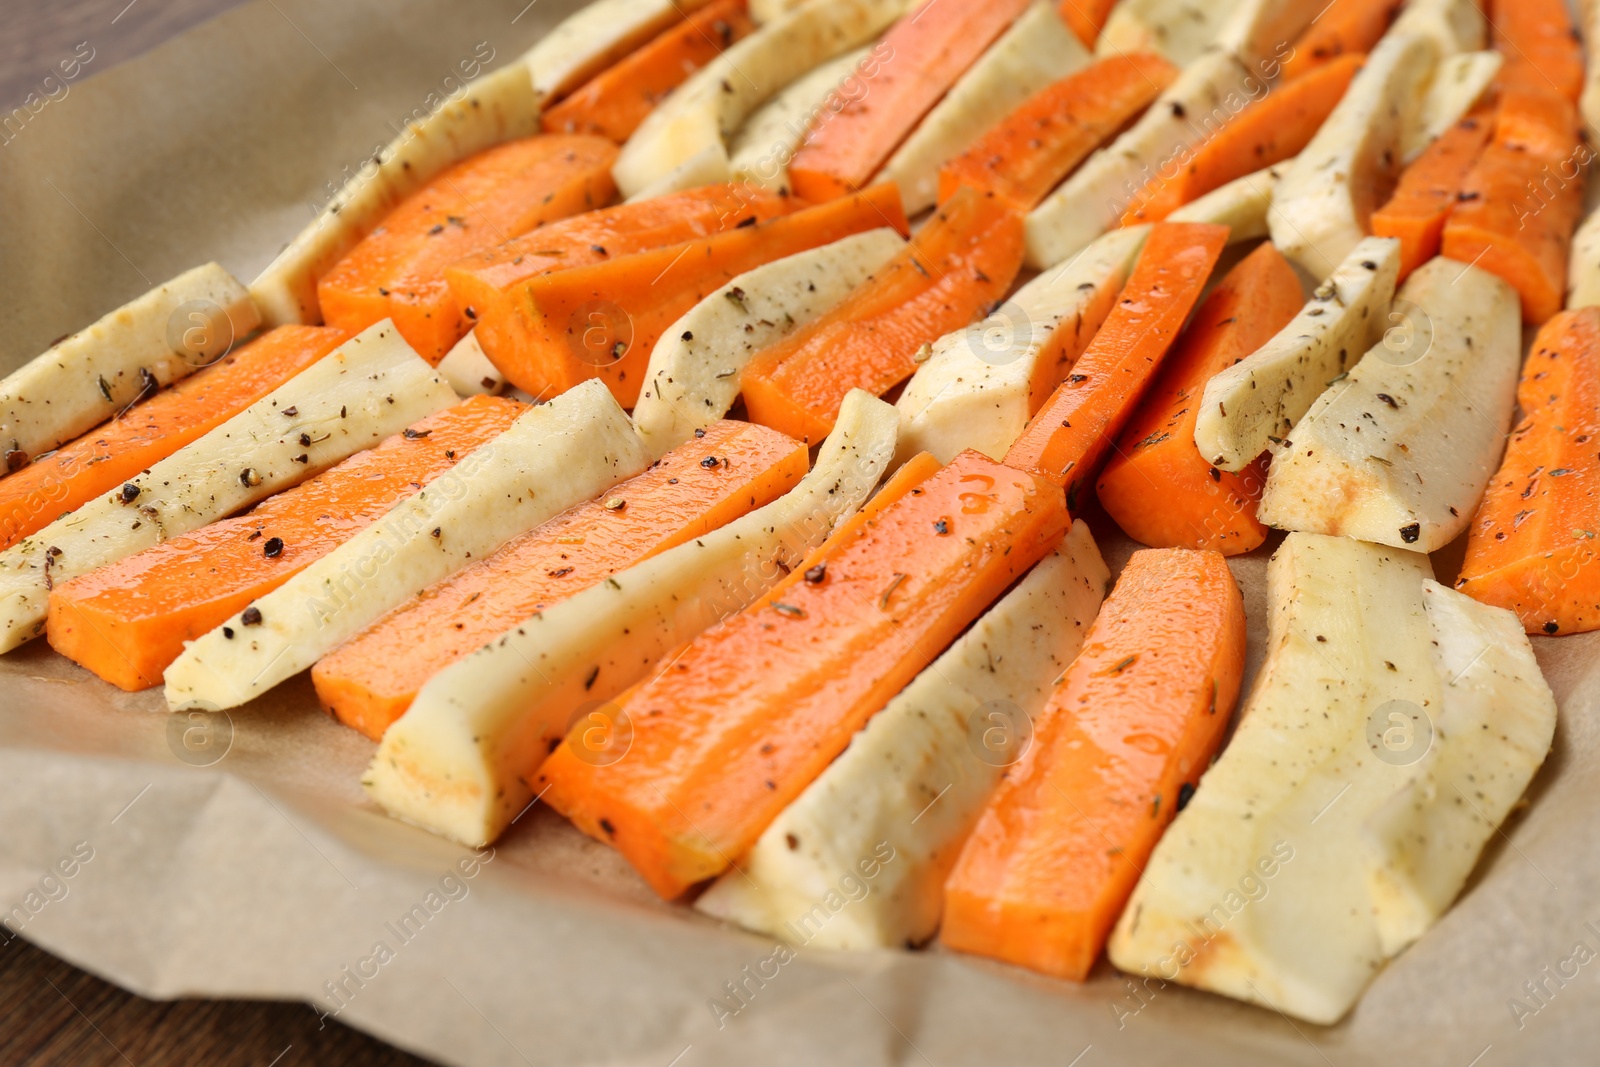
[(51, 1012)]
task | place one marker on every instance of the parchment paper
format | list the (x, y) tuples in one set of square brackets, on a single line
[(266, 874)]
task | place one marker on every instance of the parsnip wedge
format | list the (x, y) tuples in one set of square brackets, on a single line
[(1038, 49), (1262, 32), (693, 377), (980, 385), (1323, 206), (1178, 29), (905, 794), (1242, 205), (554, 456), (1453, 25), (370, 387), (1093, 199), (1401, 451), (1458, 84), (704, 111), (591, 38), (1583, 264), (458, 762), (87, 378), (1254, 403), (1496, 720), (1258, 890), (709, 166), (469, 371), (497, 107), (761, 149)]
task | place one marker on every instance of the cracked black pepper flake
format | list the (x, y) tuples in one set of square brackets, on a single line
[(130, 492), (709, 462), (273, 548), (1410, 534), (227, 631), (1185, 793), (941, 527), (788, 609), (817, 573), (251, 616), (291, 411)]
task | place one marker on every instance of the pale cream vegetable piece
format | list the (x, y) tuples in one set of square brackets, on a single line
[(1458, 85), (554, 456), (1242, 205), (92, 375), (595, 36), (893, 810), (370, 387), (1180, 30), (458, 762), (762, 147), (468, 369)]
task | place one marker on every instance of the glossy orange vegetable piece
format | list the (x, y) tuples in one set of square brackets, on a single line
[(1086, 18), (754, 709), (1116, 752), (705, 483), (1345, 27), (128, 621), (485, 283), (1532, 547), (959, 264), (1070, 435), (601, 321), (1428, 190), (925, 52), (1271, 130), (1156, 485), (614, 102), (155, 428), (1028, 152), (1540, 46), (397, 271)]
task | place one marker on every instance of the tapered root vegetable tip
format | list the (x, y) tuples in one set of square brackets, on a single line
[(128, 621), (398, 271), (154, 428), (1117, 752), (371, 386), (1069, 437), (733, 468), (460, 761), (554, 456), (1531, 544), (1156, 484), (959, 264), (755, 709)]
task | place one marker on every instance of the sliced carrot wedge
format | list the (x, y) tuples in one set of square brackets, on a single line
[(701, 485), (1087, 18), (1345, 27), (1522, 199), (1156, 485), (1271, 130), (129, 621), (1069, 436), (484, 282), (924, 53), (1024, 156), (397, 271), (1116, 752), (614, 102), (1532, 545), (155, 428), (1428, 190), (955, 269), (1540, 46), (601, 321), (754, 709)]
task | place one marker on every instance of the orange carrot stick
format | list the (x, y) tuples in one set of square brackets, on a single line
[(753, 710), (735, 467), (1117, 751), (1345, 27), (153, 429), (397, 271), (1156, 485), (1033, 148), (1271, 130), (614, 102), (601, 321), (1086, 18), (957, 266), (1428, 190), (484, 281), (1069, 436), (129, 621), (926, 51), (1540, 46), (1522, 199), (1532, 545)]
